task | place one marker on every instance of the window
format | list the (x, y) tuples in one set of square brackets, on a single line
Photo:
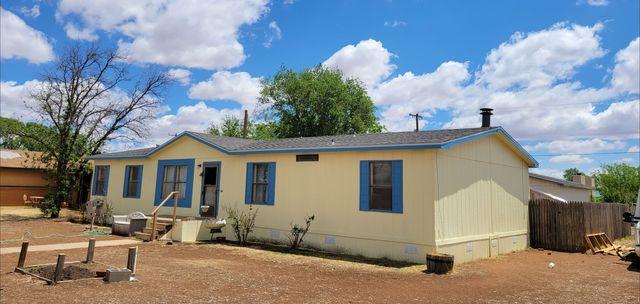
[(381, 186), (132, 181), (260, 188), (174, 179), (260, 183), (175, 175), (100, 180), (307, 157)]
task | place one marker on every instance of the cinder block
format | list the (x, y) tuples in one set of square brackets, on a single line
[(117, 275)]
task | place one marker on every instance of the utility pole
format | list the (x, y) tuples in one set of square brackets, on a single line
[(245, 125), (418, 117)]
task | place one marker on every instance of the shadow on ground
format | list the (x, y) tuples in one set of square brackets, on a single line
[(313, 252)]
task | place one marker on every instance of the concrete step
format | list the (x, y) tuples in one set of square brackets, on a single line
[(143, 236), (159, 230)]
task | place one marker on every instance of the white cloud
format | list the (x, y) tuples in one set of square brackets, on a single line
[(395, 23), (368, 61), (571, 159), (596, 2), (180, 75), (19, 40), (288, 2), (626, 160), (194, 34), (80, 34), (541, 58), (580, 146), (528, 81), (548, 172), (225, 85), (15, 98), (197, 117), (32, 12), (626, 74), (634, 149), (275, 33), (409, 93)]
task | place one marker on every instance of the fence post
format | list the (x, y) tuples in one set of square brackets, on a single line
[(23, 254), (132, 258), (59, 268), (90, 250)]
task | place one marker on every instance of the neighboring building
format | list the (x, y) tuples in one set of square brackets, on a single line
[(395, 195), (20, 174), (546, 187)]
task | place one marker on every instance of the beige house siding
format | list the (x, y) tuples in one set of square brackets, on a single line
[(482, 208), (472, 193)]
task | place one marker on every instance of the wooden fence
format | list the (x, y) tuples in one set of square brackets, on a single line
[(562, 226)]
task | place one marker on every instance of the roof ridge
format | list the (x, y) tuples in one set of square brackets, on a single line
[(559, 180)]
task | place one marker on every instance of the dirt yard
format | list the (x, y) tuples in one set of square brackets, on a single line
[(205, 273), (18, 223)]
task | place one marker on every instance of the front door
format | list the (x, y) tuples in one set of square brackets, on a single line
[(210, 181)]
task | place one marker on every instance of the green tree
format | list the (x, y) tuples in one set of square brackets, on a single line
[(315, 102), (569, 173), (263, 131), (12, 130), (230, 126), (618, 183)]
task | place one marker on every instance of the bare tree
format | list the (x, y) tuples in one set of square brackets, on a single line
[(88, 98)]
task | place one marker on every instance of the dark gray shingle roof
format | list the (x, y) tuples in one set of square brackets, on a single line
[(227, 143), (122, 154), (362, 140), (560, 181), (392, 140)]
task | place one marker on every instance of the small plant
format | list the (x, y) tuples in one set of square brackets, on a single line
[(48, 207), (298, 232), (102, 212), (242, 222)]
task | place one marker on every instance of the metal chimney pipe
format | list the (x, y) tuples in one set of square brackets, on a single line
[(486, 117)]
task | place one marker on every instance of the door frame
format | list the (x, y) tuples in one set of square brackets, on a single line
[(210, 164)]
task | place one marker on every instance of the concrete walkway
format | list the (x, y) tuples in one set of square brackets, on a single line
[(65, 246)]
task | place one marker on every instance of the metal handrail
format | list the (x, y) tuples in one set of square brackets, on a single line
[(155, 213)]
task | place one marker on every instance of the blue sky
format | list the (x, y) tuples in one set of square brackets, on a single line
[(561, 75)]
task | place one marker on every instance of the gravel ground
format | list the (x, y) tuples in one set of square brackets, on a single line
[(212, 273), (46, 231)]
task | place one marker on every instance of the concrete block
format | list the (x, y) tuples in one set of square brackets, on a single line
[(117, 275)]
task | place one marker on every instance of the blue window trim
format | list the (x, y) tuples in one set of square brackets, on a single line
[(396, 186), (211, 164), (271, 189), (126, 181), (186, 201), (95, 180)]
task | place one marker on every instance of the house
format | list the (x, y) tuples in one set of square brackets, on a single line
[(396, 195), (581, 189), (21, 174)]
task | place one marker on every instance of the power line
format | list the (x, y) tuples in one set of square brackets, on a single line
[(500, 109), (592, 153)]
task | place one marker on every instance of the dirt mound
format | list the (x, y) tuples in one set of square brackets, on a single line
[(70, 272)]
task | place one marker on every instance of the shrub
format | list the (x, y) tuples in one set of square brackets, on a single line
[(48, 207), (242, 222), (103, 212), (298, 232)]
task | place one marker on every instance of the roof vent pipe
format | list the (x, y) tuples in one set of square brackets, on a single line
[(486, 117)]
